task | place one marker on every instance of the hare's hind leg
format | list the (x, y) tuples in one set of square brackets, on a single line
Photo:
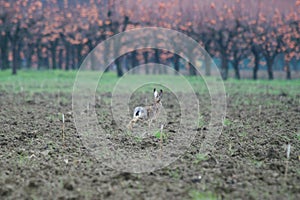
[(153, 118), (150, 122)]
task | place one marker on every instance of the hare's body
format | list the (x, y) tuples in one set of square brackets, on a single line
[(147, 113)]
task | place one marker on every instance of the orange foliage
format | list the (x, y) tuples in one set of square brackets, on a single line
[(240, 22)]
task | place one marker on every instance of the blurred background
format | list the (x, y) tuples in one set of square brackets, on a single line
[(246, 38)]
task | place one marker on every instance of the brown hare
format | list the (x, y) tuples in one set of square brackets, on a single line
[(147, 113)]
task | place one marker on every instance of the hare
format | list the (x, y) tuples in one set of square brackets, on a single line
[(147, 113)]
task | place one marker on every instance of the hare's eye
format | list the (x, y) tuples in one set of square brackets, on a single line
[(137, 113)]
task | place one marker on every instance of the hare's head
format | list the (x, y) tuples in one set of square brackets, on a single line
[(157, 95)]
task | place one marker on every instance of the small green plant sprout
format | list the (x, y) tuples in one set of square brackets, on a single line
[(197, 195), (243, 134), (201, 122), (200, 157), (226, 122), (298, 136), (288, 152), (63, 127), (23, 158), (257, 163), (128, 133), (160, 135), (174, 174), (138, 139)]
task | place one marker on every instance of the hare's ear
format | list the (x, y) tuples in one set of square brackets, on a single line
[(155, 93), (160, 93)]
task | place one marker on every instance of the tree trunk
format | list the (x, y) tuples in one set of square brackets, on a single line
[(207, 61), (256, 65), (4, 59), (79, 49), (156, 60), (46, 60), (270, 74), (53, 58), (19, 59), (119, 67), (192, 70), (207, 58), (15, 58), (176, 63), (134, 61), (53, 55), (29, 60), (145, 55), (39, 57), (4, 53), (30, 52), (73, 57), (14, 38), (116, 49), (236, 70), (224, 67), (60, 59), (288, 75), (106, 55), (93, 61), (270, 68), (156, 56), (288, 71), (67, 67), (297, 65)]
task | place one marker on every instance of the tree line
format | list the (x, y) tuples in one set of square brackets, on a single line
[(57, 34)]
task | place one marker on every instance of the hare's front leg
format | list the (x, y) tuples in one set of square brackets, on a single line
[(149, 123), (132, 122)]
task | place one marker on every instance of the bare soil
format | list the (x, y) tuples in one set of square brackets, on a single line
[(249, 160)]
